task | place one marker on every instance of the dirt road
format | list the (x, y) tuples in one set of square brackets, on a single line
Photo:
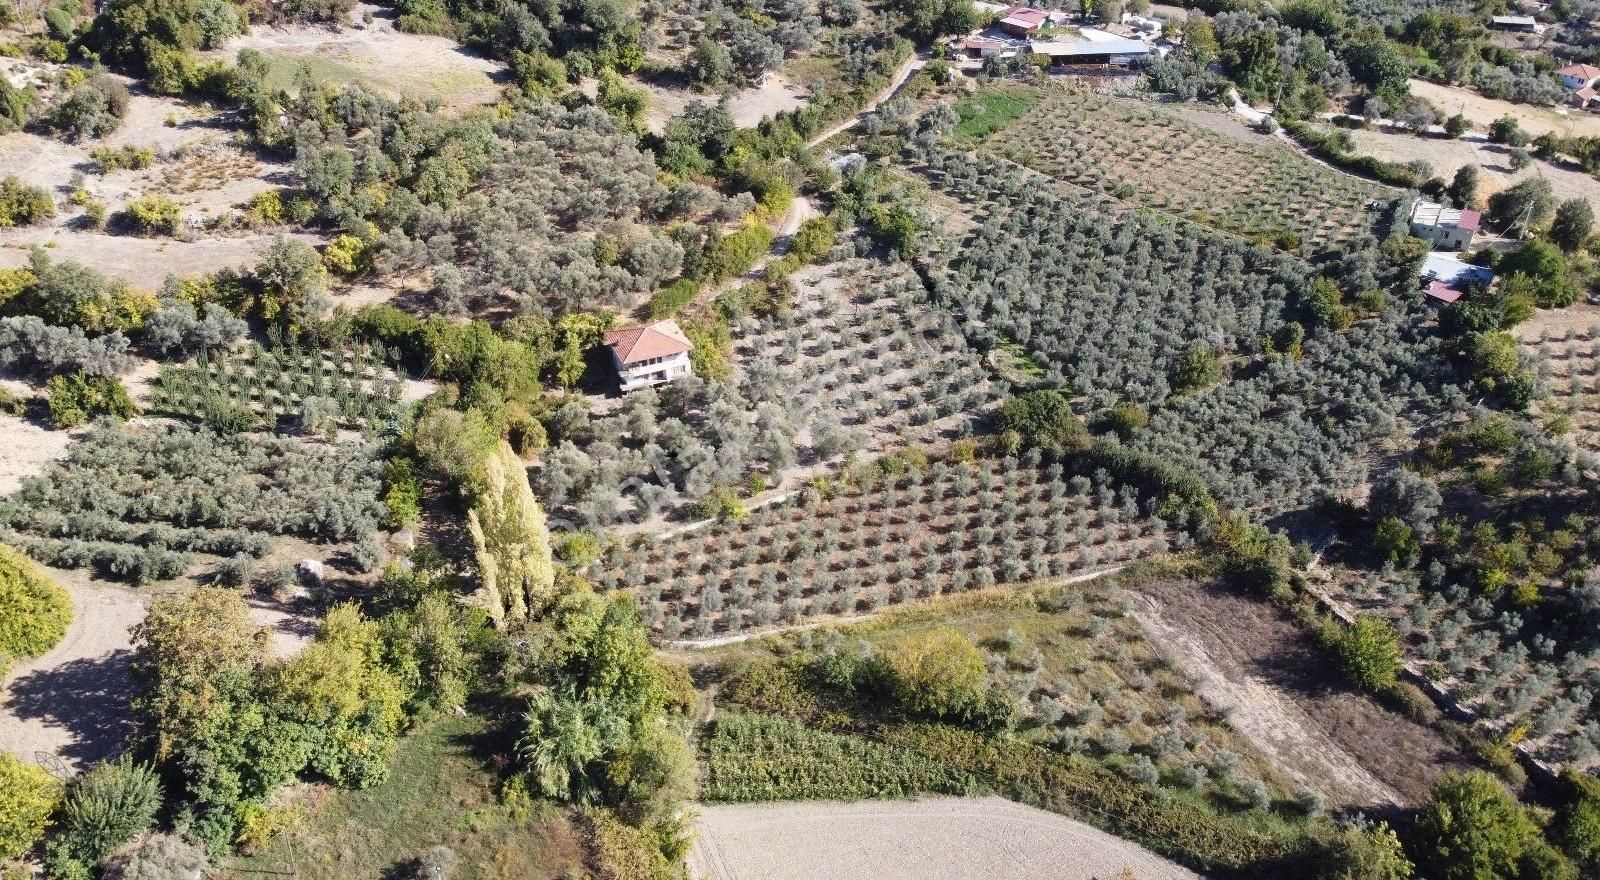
[(911, 66), (948, 838)]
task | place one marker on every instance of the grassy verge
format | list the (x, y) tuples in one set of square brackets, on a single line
[(765, 758), (440, 792), (987, 112)]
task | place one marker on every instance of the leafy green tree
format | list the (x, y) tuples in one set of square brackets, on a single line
[(927, 20), (34, 611), (709, 63), (1465, 187), (1369, 651), (28, 795), (105, 808), (1523, 206), (1473, 829), (1580, 832), (939, 673), (1574, 221), (1200, 368), (1042, 418), (292, 279), (1394, 540)]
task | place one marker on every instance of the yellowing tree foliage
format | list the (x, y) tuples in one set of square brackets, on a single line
[(34, 611), (510, 538), (28, 796)]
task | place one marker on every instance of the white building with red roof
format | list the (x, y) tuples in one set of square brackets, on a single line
[(653, 354), (1449, 229), (1022, 21), (1579, 76)]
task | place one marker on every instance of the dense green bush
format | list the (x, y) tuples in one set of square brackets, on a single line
[(1369, 651), (75, 399), (34, 611), (153, 214), (23, 205), (1473, 829), (104, 808)]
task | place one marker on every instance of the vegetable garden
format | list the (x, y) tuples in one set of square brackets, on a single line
[(1137, 152), (346, 387), (144, 504), (868, 540)]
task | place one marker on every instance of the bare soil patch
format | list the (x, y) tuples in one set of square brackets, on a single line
[(749, 106), (949, 838), (72, 703), (1292, 702), (144, 262), (378, 57), (25, 447), (1482, 111), (1446, 156)]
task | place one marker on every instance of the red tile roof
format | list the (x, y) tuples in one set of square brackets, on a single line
[(1469, 220), (1443, 292), (1585, 72), (1022, 16), (661, 339)]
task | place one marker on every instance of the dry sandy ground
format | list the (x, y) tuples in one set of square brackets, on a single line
[(947, 838), (1290, 702), (381, 58), (748, 106), (73, 701), (1482, 111), (1448, 155), (25, 448), (144, 262), (1269, 720)]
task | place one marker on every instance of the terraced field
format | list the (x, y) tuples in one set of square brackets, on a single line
[(1261, 191)]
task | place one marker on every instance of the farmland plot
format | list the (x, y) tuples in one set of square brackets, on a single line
[(348, 388), (145, 504), (880, 540), (858, 362), (1109, 299), (1571, 368), (1263, 192)]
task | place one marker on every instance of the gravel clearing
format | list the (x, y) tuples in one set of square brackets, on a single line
[(948, 838)]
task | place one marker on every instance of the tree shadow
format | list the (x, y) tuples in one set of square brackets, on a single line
[(88, 697)]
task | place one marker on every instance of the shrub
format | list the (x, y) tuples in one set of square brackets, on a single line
[(23, 205), (107, 807), (153, 214), (77, 398), (937, 673), (28, 795), (1369, 651), (34, 611), (347, 255)]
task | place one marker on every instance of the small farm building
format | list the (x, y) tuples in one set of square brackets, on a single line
[(1448, 228), (654, 354), (1117, 51), (1526, 24), (1446, 277), (984, 47), (1020, 21)]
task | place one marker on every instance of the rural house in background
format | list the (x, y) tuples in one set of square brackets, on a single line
[(1525, 24), (1023, 22), (1447, 278), (1579, 76), (650, 355), (1447, 228)]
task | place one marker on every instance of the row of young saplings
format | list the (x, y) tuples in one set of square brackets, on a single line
[(843, 555)]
